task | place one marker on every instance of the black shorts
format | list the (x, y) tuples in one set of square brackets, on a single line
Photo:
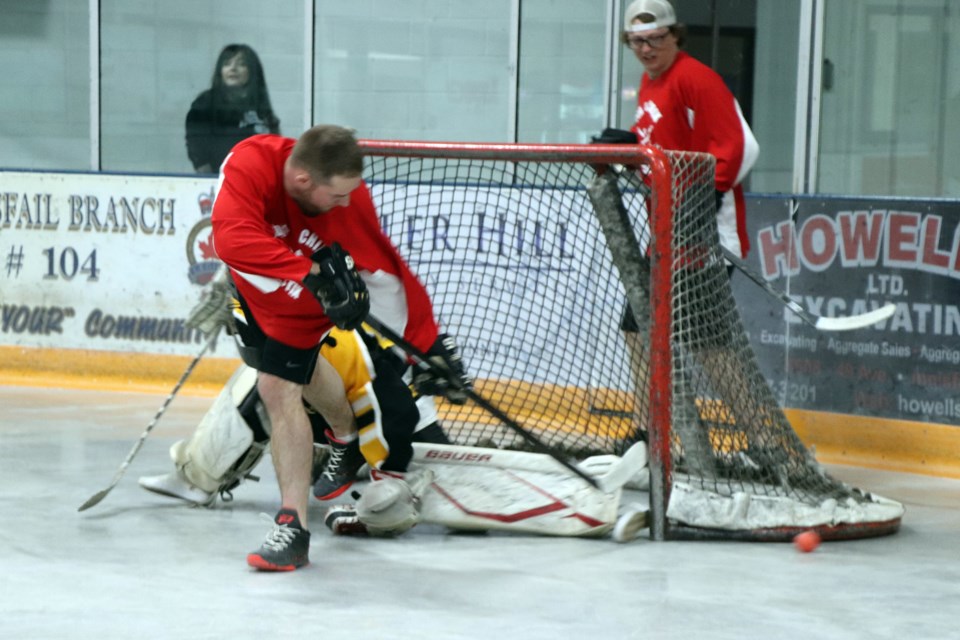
[(265, 354)]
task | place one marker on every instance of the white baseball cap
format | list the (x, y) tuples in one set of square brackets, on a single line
[(661, 10)]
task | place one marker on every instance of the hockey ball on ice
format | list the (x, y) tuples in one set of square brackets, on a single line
[(807, 541)]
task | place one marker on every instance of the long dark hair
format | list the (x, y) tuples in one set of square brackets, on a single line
[(256, 92)]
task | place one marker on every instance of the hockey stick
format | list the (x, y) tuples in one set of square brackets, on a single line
[(100, 495), (423, 360), (822, 323)]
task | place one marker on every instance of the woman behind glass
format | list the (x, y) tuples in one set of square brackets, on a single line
[(236, 106)]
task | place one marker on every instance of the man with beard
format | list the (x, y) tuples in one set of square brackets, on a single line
[(295, 223)]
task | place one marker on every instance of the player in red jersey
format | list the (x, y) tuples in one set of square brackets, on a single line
[(295, 223), (684, 105)]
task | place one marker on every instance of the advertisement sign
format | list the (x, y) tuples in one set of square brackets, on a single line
[(846, 256), (103, 262), (499, 260)]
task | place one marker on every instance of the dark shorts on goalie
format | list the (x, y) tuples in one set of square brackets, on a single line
[(263, 353), (711, 302)]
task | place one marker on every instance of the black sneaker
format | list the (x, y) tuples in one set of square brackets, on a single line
[(341, 468), (320, 454), (287, 546)]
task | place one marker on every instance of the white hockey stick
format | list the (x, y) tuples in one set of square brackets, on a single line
[(100, 495), (822, 323)]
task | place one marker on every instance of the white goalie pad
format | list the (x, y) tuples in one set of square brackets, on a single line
[(221, 438), (481, 489)]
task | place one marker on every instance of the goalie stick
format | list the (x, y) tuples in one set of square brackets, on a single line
[(100, 495), (822, 323), (423, 360)]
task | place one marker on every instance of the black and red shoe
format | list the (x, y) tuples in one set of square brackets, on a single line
[(287, 546), (341, 467)]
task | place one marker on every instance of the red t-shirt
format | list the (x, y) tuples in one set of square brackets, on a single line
[(689, 108), (266, 240)]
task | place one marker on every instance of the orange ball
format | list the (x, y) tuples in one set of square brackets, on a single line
[(807, 541)]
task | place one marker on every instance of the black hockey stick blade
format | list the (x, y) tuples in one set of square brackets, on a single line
[(96, 498), (423, 360), (822, 323)]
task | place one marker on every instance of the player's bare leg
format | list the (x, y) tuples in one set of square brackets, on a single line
[(292, 441), (287, 545)]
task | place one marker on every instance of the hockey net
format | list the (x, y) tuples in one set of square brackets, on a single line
[(530, 253)]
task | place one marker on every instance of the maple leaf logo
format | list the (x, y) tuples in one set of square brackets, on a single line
[(206, 249)]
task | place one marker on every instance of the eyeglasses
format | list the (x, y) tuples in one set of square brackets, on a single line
[(654, 42)]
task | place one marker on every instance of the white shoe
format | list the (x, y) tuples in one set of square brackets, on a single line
[(628, 525), (175, 485)]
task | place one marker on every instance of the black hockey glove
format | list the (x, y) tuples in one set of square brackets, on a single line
[(339, 287), (446, 356), (615, 136), (719, 197)]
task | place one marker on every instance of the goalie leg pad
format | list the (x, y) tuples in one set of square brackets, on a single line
[(222, 439), (482, 489)]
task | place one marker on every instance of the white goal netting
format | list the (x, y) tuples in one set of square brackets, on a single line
[(530, 253)]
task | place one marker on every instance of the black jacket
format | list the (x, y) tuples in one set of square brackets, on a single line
[(213, 127)]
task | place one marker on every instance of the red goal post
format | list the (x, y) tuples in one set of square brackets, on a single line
[(529, 253)]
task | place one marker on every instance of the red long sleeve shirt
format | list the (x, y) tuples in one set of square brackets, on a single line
[(689, 108), (260, 232)]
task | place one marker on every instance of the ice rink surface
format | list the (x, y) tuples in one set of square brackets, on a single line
[(138, 566)]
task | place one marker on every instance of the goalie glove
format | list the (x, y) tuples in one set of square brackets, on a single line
[(213, 312), (451, 380), (339, 287), (615, 136)]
